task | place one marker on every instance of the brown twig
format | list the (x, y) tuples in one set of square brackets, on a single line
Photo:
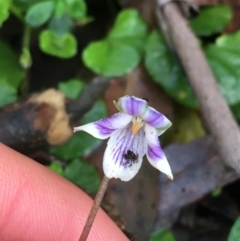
[(212, 104), (88, 98), (94, 209)]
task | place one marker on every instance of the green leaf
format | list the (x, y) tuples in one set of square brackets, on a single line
[(216, 192), (162, 235), (8, 93), (4, 10), (111, 58), (97, 112), (62, 47), (129, 28), (76, 8), (71, 88), (122, 50), (229, 41), (236, 111), (60, 25), (211, 20), (80, 144), (225, 64), (56, 167), (60, 8), (162, 66), (39, 13), (10, 68), (128, 24), (235, 231), (83, 175)]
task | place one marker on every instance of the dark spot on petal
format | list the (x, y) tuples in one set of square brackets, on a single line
[(183, 189)]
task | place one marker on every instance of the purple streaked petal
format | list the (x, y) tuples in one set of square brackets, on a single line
[(102, 129), (155, 154), (156, 120), (132, 105), (115, 163)]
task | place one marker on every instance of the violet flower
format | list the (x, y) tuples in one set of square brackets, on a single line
[(133, 132)]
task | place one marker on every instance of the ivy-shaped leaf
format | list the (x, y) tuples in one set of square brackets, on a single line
[(121, 51), (39, 13), (211, 20), (64, 46)]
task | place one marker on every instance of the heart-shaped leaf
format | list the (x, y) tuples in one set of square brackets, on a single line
[(128, 24), (121, 51), (111, 58), (64, 46), (39, 13)]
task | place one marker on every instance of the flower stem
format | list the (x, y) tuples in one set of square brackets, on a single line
[(94, 209)]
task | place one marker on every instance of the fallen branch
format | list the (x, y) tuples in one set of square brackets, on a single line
[(46, 118), (212, 104)]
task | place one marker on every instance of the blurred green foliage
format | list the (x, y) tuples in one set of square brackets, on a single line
[(162, 235), (127, 43), (235, 231), (211, 20)]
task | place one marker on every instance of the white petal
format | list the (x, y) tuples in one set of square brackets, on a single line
[(121, 141), (102, 129), (155, 153)]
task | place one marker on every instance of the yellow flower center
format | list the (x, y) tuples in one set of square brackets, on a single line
[(137, 125)]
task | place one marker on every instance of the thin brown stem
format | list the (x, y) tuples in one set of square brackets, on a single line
[(94, 209)]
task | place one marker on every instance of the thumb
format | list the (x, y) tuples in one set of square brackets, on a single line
[(37, 204)]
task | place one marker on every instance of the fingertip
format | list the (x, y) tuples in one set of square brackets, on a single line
[(37, 204)]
